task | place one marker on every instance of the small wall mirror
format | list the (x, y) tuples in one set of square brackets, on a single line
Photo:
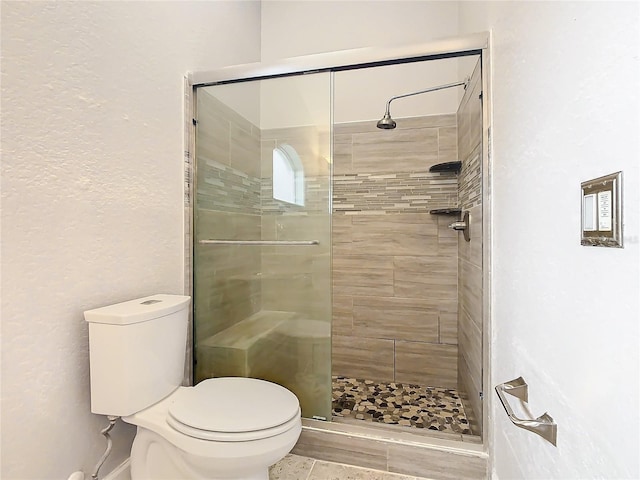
[(602, 211)]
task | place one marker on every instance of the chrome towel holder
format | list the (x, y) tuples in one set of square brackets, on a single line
[(544, 425)]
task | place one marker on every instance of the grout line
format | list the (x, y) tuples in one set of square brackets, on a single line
[(313, 464)]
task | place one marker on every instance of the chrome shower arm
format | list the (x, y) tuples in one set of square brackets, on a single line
[(432, 89)]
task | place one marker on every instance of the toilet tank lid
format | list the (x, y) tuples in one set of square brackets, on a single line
[(138, 310)]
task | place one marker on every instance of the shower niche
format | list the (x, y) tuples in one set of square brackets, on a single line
[(350, 289)]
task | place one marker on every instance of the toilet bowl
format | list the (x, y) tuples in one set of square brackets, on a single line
[(223, 428)]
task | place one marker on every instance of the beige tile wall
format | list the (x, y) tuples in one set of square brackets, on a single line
[(394, 264), (241, 287), (393, 456), (297, 279), (227, 286), (470, 254)]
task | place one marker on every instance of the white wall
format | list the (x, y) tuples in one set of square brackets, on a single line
[(566, 109), (297, 28), (92, 208), (291, 29)]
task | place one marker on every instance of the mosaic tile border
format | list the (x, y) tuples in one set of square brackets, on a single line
[(226, 189), (415, 192)]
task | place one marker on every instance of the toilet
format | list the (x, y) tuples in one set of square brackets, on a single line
[(221, 429)]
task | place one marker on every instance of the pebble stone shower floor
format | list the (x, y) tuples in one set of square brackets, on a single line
[(413, 406)]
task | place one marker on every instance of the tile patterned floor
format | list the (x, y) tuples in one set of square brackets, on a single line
[(295, 467), (413, 406)]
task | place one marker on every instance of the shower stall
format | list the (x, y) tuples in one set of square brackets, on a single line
[(323, 257)]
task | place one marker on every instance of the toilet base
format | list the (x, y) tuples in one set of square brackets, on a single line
[(154, 458)]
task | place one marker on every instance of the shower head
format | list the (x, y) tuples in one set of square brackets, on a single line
[(386, 122)]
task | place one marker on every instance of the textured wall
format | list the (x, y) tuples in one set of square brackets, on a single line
[(565, 110), (92, 196), (394, 264), (470, 268)]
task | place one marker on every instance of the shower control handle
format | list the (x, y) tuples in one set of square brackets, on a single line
[(462, 225)]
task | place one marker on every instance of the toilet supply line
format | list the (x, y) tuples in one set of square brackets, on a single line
[(105, 432)]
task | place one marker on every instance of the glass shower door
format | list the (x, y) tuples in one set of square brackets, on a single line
[(262, 228)]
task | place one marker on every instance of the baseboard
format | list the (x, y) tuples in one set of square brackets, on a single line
[(121, 472)]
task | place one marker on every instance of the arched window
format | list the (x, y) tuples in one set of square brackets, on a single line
[(288, 175)]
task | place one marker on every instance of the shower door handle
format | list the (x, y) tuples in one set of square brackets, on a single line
[(544, 425), (261, 243)]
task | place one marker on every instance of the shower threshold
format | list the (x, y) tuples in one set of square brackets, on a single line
[(424, 410)]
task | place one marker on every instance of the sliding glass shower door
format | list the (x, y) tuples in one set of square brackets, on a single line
[(262, 246)]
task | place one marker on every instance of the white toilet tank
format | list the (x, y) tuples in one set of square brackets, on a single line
[(137, 352)]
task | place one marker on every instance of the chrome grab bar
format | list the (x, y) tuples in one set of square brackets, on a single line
[(543, 425), (260, 242)]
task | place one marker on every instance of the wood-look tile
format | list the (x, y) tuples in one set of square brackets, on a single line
[(470, 116), (396, 220), (363, 275), (471, 251), (281, 264), (470, 369), (475, 114), (395, 318), (401, 234), (213, 137), (436, 464), (341, 230), (362, 357), (299, 283), (350, 128), (342, 448), (268, 227), (446, 305), (305, 227), (429, 121), (426, 363), (447, 144), (342, 314), (342, 154), (245, 151), (266, 158), (425, 276), (470, 285), (448, 239), (405, 150), (475, 439), (469, 394), (449, 328), (470, 343)]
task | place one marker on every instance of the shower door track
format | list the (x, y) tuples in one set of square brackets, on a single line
[(474, 44)]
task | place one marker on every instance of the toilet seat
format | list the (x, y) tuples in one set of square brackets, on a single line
[(233, 409)]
